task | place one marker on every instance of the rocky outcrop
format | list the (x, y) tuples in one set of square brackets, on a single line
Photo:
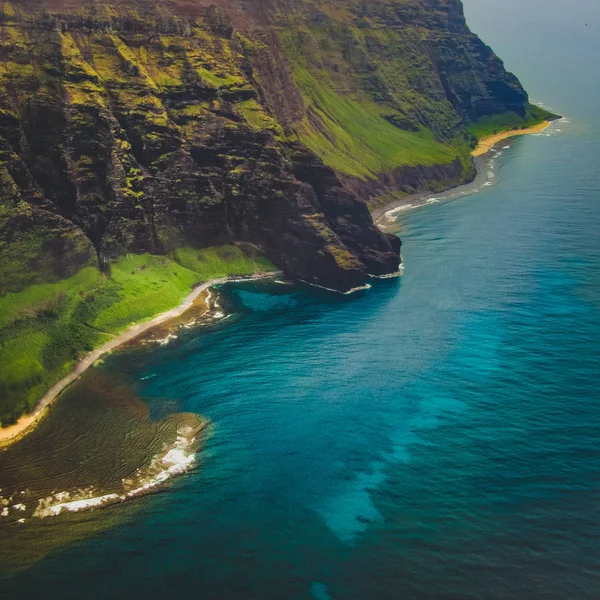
[(409, 180)]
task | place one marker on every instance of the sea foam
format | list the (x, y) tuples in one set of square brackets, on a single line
[(176, 459)]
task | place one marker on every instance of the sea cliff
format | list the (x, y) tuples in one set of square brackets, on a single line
[(147, 146)]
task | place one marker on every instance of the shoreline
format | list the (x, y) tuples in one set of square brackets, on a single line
[(27, 423), (480, 158), (487, 143), (13, 433)]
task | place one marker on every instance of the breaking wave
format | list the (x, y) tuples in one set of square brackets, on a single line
[(175, 459)]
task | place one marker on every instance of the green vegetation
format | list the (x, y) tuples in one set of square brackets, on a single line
[(219, 81), (27, 255), (342, 257), (493, 124), (362, 111), (257, 117), (45, 328), (34, 324), (353, 137), (140, 286), (222, 261)]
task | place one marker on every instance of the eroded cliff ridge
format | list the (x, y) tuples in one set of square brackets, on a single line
[(145, 126), (142, 126)]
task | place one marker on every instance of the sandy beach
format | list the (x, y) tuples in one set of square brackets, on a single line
[(27, 423), (486, 143)]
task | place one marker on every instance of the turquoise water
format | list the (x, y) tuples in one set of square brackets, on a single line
[(436, 437)]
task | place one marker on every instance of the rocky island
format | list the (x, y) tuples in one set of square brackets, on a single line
[(148, 146)]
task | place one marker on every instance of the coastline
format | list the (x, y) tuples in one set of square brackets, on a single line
[(487, 143), (480, 158), (27, 423)]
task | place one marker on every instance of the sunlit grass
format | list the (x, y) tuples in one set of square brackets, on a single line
[(45, 329), (353, 137)]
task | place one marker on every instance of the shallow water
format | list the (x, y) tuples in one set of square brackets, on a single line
[(435, 437)]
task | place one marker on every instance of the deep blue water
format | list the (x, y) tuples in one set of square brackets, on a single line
[(436, 437)]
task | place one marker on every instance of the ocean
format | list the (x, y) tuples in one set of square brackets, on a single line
[(434, 437)]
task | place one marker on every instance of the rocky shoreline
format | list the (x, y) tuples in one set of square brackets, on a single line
[(481, 158)]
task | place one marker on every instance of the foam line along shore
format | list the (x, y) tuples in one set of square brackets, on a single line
[(482, 155)]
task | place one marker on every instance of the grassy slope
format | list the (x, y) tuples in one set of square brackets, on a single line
[(45, 328), (350, 108), (493, 124), (367, 91), (355, 139)]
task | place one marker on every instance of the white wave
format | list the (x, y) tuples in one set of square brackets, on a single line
[(47, 507), (357, 289), (164, 341), (7, 505), (176, 459), (394, 211), (388, 275), (350, 291)]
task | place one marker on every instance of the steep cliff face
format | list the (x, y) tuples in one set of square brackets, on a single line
[(389, 87), (137, 135), (150, 125), (147, 133)]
